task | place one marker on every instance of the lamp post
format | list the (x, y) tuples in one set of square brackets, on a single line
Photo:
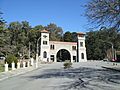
[(113, 59), (29, 50), (37, 49), (112, 51)]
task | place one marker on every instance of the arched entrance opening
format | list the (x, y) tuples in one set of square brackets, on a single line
[(63, 55)]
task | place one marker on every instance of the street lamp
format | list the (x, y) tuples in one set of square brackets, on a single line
[(29, 50), (113, 59), (37, 48), (112, 51)]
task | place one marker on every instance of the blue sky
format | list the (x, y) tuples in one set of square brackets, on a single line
[(68, 14)]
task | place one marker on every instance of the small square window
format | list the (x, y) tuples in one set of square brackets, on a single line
[(73, 47), (45, 42)]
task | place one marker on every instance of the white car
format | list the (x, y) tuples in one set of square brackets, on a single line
[(2, 58)]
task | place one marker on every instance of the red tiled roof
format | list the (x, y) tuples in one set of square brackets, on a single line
[(44, 31), (59, 42), (80, 33)]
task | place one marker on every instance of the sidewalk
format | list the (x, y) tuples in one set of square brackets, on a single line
[(12, 73), (113, 66)]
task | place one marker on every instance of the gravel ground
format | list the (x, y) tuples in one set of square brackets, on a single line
[(82, 76)]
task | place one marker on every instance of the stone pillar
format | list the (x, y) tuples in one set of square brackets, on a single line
[(31, 61), (36, 64), (6, 67), (37, 57), (81, 48), (71, 58), (23, 64), (28, 64), (18, 65), (55, 58), (13, 66)]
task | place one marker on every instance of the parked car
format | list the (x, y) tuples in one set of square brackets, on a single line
[(2, 57)]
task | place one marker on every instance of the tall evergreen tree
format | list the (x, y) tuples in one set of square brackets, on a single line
[(55, 32), (67, 36)]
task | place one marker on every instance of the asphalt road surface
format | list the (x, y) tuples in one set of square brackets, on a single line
[(83, 76)]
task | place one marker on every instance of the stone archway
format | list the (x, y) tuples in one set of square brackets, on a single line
[(63, 55)]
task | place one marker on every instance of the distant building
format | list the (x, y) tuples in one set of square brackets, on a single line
[(57, 51)]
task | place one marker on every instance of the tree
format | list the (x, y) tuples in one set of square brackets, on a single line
[(55, 32), (39, 28), (104, 12), (70, 36), (2, 22), (36, 32), (25, 27), (11, 58), (74, 36), (67, 36), (15, 28), (98, 43)]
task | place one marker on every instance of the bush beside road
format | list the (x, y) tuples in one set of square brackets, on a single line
[(1, 67)]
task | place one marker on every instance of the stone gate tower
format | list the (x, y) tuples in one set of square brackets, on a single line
[(45, 47), (49, 50), (81, 53)]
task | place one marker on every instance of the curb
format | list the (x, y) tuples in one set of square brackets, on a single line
[(18, 74), (112, 68)]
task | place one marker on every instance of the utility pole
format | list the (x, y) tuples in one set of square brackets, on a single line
[(113, 56), (37, 49), (112, 46), (29, 50)]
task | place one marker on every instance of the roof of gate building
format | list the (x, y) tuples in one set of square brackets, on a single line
[(44, 31), (60, 42)]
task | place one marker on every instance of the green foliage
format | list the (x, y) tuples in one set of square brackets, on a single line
[(11, 58), (67, 64), (70, 37), (2, 22), (67, 37), (16, 37), (55, 32), (26, 56), (1, 67), (98, 42)]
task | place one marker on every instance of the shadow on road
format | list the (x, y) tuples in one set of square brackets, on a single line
[(83, 78)]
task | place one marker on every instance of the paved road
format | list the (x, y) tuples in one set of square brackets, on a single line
[(83, 76)]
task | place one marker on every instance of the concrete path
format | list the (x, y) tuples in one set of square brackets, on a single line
[(12, 73), (83, 76)]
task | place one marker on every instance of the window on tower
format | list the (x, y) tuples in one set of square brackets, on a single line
[(82, 55), (81, 44), (45, 54), (45, 42)]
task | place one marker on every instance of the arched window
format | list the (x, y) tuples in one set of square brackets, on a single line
[(82, 55), (45, 54)]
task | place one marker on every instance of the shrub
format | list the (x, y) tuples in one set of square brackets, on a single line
[(67, 64), (10, 58), (26, 57), (1, 67)]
